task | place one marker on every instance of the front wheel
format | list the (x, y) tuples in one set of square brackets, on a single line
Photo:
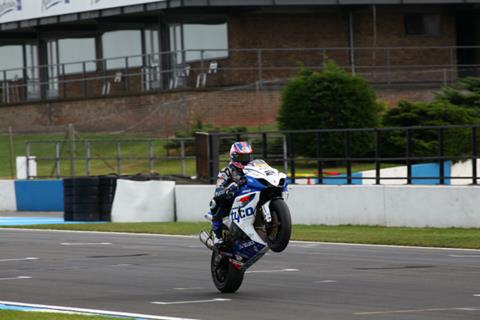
[(226, 278), (280, 230)]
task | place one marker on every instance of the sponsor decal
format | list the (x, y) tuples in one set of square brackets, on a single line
[(241, 213), (8, 6), (48, 4)]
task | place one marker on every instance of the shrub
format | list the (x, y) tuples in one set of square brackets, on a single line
[(330, 99), (426, 142)]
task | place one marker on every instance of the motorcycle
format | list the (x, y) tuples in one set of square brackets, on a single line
[(259, 220)]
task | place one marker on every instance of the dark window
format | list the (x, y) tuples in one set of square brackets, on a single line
[(422, 24)]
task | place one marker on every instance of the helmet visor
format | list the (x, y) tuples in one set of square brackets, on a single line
[(243, 158)]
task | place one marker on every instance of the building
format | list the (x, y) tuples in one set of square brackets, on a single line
[(208, 58)]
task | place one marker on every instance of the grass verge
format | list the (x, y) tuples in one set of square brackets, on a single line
[(22, 315), (425, 237)]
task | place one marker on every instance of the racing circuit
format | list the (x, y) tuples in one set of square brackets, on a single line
[(167, 277)]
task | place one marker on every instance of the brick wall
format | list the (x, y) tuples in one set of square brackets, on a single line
[(163, 114)]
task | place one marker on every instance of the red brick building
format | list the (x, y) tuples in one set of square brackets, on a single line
[(162, 65)]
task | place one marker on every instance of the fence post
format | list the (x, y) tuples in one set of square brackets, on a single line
[(285, 154), (389, 67), (12, 152), (127, 80), (150, 156), (57, 160), (377, 156), (319, 162), (441, 143), (474, 155), (291, 156), (119, 159), (89, 157), (182, 155), (264, 146), (28, 161), (346, 140), (408, 143), (71, 134)]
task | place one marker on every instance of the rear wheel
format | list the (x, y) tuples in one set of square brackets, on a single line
[(226, 278), (280, 230)]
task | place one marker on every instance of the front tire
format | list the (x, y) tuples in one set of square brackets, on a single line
[(278, 235), (226, 278)]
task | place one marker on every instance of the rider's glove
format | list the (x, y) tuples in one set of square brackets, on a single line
[(231, 189)]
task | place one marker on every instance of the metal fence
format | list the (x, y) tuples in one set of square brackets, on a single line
[(69, 158), (198, 69), (354, 156)]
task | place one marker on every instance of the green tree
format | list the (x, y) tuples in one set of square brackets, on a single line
[(331, 99)]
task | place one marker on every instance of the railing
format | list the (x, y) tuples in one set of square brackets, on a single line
[(196, 69), (88, 157), (403, 155)]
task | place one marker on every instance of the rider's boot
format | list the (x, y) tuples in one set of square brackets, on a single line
[(217, 227)]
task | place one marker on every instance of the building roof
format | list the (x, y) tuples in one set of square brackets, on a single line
[(170, 4)]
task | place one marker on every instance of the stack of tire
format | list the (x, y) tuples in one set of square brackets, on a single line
[(106, 194), (81, 199)]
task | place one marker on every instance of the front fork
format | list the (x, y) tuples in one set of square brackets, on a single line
[(267, 217)]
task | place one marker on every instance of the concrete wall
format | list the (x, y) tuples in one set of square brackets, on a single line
[(409, 206), (8, 200)]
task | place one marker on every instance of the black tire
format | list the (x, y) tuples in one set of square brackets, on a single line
[(81, 182), (279, 234), (226, 278), (84, 191), (81, 199)]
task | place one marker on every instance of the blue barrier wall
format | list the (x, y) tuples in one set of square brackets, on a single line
[(430, 170), (39, 195), (341, 179)]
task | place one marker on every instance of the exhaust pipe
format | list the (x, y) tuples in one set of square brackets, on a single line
[(206, 239)]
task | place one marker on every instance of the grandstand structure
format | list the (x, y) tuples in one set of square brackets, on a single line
[(162, 65)]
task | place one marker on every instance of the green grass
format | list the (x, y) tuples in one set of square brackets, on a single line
[(21, 315), (425, 237)]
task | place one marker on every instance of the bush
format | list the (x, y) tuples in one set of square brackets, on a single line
[(331, 99), (426, 142)]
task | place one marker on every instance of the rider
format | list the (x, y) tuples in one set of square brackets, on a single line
[(228, 182)]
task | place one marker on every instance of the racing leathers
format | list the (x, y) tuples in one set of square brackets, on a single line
[(228, 181)]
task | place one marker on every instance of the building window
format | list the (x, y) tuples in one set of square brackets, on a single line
[(12, 62), (211, 39), (422, 24), (72, 53), (122, 49)]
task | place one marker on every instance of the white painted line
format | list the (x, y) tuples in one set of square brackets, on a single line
[(86, 244), (196, 236), (93, 311), (325, 281), (192, 288), (269, 271), (16, 278), (464, 256), (414, 311), (476, 295), (19, 259), (192, 301)]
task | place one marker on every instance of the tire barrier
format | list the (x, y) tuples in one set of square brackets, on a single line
[(81, 199), (107, 188)]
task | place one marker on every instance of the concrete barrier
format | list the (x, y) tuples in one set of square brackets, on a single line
[(8, 200), (333, 205), (408, 206), (144, 201), (192, 202)]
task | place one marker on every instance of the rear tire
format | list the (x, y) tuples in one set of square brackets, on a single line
[(279, 234), (226, 278)]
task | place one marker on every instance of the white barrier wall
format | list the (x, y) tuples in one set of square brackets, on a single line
[(8, 201), (410, 206), (144, 201), (192, 202)]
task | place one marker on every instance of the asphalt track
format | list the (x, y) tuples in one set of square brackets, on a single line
[(169, 277)]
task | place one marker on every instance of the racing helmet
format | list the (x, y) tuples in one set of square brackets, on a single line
[(241, 154)]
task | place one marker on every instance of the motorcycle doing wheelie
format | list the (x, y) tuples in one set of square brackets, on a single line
[(258, 221)]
